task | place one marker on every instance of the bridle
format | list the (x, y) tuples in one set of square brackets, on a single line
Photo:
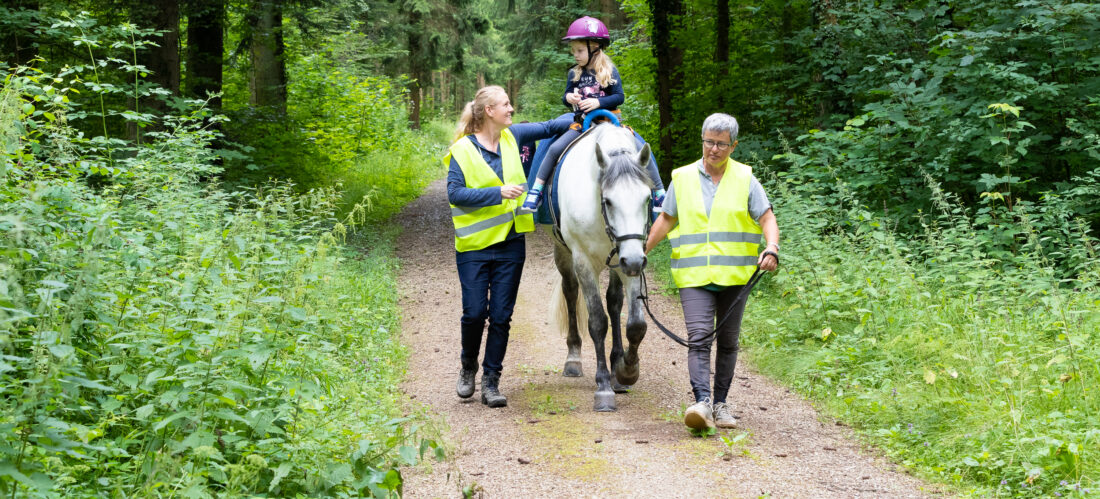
[(616, 239)]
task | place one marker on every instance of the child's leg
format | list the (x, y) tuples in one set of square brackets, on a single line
[(654, 175), (658, 186), (550, 161)]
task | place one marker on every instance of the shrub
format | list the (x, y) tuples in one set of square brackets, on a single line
[(162, 336)]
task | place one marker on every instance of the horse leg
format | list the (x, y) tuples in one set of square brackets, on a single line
[(597, 329), (614, 312), (627, 371), (564, 261)]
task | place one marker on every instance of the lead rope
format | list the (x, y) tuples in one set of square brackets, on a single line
[(755, 278)]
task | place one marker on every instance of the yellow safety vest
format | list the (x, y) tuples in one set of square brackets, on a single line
[(722, 248), (482, 226)]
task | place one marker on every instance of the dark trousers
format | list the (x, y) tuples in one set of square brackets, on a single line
[(702, 309), (550, 161), (490, 280)]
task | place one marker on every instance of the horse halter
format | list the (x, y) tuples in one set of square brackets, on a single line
[(615, 238)]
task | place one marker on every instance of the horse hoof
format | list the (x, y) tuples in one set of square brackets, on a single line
[(619, 388), (572, 369), (605, 402), (626, 374)]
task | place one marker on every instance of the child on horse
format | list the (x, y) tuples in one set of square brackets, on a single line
[(592, 84)]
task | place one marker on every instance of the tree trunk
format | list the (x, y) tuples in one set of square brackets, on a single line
[(162, 60), (789, 58), (205, 48), (514, 85), (267, 81), (827, 94), (610, 13), (669, 57), (458, 91), (444, 95), (416, 63), (16, 40), (722, 49)]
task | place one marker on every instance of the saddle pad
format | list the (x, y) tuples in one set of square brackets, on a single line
[(551, 203), (542, 216)]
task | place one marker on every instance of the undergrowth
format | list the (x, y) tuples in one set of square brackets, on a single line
[(161, 336)]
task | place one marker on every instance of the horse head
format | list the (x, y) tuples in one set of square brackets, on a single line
[(625, 191)]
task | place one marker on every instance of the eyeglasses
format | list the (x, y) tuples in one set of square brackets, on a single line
[(721, 146)]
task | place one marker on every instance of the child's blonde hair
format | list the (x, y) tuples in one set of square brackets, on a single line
[(600, 64), (473, 115)]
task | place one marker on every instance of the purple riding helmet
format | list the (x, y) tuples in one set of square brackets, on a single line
[(588, 28)]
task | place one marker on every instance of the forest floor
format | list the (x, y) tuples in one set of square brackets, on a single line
[(548, 442)]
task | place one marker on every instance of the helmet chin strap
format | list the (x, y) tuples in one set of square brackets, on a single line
[(588, 45)]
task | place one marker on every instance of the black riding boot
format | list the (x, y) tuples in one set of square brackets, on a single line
[(466, 376), (490, 395)]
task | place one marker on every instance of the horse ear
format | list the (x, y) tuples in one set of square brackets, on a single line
[(600, 159), (644, 156)]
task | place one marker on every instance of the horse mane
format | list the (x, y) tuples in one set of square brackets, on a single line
[(622, 161)]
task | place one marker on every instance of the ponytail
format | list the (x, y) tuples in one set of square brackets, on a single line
[(465, 125), (473, 114)]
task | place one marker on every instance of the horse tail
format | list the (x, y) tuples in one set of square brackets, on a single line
[(559, 313)]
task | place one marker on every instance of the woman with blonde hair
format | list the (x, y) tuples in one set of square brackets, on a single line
[(485, 180)]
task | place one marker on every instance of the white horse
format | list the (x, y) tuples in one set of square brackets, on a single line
[(604, 194)]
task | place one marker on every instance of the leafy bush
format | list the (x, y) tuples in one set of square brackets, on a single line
[(161, 336), (956, 93)]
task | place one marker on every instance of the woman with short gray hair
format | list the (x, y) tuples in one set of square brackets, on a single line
[(721, 122), (715, 215)]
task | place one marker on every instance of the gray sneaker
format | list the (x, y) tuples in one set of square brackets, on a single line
[(699, 416), (722, 416)]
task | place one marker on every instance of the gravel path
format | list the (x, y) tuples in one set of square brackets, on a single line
[(549, 443)]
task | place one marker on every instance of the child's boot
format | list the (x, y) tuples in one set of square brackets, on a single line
[(534, 199), (658, 201)]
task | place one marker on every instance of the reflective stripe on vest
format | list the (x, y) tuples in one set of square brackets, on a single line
[(722, 248), (482, 226)]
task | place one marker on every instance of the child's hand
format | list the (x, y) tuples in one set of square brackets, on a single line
[(574, 98), (587, 105)]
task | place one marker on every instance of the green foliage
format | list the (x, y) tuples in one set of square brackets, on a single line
[(532, 36), (973, 110), (162, 337), (987, 97), (332, 116), (342, 128)]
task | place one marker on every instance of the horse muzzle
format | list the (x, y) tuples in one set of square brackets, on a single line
[(632, 265)]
